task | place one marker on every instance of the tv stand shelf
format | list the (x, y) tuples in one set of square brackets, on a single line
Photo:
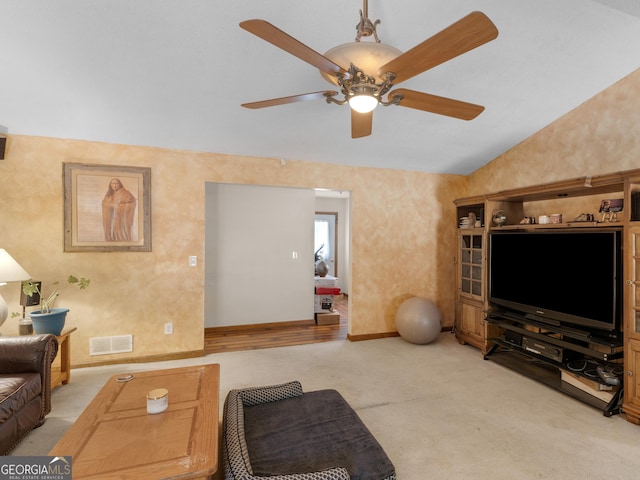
[(555, 226), (549, 374), (566, 345), (608, 348)]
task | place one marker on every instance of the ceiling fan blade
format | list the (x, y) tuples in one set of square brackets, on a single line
[(466, 34), (361, 124), (292, 99), (435, 104), (280, 39)]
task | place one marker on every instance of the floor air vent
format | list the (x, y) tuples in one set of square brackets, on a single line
[(109, 345)]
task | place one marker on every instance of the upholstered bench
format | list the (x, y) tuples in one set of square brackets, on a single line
[(282, 433)]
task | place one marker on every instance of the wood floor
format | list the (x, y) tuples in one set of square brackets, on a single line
[(253, 337)]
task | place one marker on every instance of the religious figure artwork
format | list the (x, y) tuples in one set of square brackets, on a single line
[(107, 208), (118, 212)]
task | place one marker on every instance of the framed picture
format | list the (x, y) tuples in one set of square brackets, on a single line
[(614, 205), (610, 208), (106, 208)]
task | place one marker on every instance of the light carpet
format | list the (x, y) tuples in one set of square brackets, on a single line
[(439, 410)]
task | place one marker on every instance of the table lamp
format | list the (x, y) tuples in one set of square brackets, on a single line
[(10, 271)]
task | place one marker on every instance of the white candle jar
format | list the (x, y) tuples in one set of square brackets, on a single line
[(157, 400)]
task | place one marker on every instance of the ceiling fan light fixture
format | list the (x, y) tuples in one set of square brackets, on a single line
[(363, 99), (363, 103)]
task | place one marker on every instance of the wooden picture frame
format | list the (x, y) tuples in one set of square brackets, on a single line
[(610, 209), (107, 208), (611, 205)]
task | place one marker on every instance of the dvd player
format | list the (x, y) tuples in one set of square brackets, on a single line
[(552, 352)]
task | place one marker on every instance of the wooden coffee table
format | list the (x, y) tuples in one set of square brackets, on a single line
[(115, 437)]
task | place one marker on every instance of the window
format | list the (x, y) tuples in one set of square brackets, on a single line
[(322, 243)]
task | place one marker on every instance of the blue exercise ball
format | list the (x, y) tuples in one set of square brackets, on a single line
[(418, 320)]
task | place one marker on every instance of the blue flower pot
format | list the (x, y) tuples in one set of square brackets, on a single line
[(52, 322)]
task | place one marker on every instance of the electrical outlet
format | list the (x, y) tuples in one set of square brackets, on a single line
[(168, 328), (193, 261)]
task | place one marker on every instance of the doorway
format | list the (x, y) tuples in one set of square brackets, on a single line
[(326, 240), (258, 252)]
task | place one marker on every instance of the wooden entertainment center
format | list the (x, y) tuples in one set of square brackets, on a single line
[(478, 324)]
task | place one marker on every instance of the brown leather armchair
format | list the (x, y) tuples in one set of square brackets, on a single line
[(25, 385)]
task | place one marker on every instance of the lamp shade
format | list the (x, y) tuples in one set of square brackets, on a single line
[(10, 270)]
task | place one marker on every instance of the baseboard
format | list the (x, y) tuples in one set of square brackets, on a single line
[(254, 326), (373, 336), (147, 358)]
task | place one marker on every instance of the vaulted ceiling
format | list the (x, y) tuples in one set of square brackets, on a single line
[(173, 73)]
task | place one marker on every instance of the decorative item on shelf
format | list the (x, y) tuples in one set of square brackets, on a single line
[(49, 319), (556, 218), (472, 219), (610, 208), (10, 271), (528, 221), (321, 267), (499, 218), (544, 219), (584, 217)]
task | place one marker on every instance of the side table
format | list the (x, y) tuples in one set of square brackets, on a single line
[(61, 368)]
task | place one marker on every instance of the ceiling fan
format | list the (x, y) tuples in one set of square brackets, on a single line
[(366, 71)]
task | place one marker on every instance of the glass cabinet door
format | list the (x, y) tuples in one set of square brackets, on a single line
[(635, 282), (471, 265)]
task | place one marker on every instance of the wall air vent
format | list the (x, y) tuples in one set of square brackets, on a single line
[(109, 345)]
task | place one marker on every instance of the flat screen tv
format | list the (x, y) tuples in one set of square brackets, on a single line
[(560, 277)]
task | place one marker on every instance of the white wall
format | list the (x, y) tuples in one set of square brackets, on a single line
[(252, 234)]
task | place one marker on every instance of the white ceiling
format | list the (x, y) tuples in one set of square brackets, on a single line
[(173, 73)]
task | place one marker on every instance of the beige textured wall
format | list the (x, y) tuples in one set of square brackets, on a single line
[(403, 225), (600, 136)]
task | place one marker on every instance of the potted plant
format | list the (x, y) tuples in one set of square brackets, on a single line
[(49, 319)]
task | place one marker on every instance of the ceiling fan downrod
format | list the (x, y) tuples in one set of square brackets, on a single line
[(366, 27)]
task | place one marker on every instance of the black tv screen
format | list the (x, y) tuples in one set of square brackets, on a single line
[(571, 278)]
